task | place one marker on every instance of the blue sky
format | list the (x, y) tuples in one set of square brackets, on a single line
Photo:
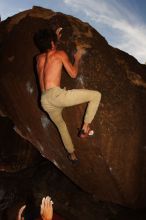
[(121, 22)]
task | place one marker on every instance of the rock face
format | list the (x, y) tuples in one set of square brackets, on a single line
[(16, 153), (112, 164)]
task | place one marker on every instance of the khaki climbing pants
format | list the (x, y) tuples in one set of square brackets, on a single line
[(55, 99)]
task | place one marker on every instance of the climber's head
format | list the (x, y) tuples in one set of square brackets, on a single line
[(45, 39)]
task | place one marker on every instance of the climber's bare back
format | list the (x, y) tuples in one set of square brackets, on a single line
[(49, 68)]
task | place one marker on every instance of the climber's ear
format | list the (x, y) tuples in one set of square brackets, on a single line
[(59, 32)]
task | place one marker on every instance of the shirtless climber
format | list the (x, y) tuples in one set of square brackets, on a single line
[(54, 98)]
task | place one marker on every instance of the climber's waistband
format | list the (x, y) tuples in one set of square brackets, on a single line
[(53, 88)]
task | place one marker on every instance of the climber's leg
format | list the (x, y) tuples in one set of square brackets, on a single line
[(56, 117), (77, 96)]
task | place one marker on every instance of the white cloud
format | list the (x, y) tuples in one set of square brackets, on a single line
[(121, 19)]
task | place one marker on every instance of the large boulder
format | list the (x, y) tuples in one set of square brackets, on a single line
[(112, 164)]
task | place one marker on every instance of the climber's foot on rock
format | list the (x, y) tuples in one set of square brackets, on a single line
[(85, 132), (73, 158)]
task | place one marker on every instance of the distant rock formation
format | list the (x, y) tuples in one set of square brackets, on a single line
[(112, 163)]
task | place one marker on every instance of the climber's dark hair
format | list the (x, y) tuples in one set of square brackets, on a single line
[(43, 39)]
